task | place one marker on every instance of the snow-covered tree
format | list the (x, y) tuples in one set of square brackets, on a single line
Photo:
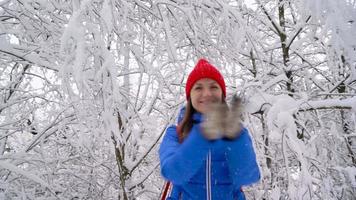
[(89, 86)]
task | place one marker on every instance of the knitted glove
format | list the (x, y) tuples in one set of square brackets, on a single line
[(233, 124), (222, 122), (214, 121)]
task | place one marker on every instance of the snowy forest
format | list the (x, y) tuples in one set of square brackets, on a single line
[(88, 88)]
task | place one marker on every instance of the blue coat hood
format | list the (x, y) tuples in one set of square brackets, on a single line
[(181, 114)]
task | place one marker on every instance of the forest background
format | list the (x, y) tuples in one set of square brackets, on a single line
[(88, 88)]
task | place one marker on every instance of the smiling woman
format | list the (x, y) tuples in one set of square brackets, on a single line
[(205, 92), (198, 158)]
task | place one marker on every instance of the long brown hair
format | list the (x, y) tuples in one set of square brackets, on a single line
[(186, 124)]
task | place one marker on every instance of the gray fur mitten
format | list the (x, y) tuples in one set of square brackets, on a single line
[(233, 124), (214, 121)]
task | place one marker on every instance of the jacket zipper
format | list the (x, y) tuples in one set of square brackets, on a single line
[(208, 176)]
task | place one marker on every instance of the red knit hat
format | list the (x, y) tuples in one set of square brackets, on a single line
[(204, 69)]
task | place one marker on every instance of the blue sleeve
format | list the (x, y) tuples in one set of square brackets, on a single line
[(179, 162), (241, 157)]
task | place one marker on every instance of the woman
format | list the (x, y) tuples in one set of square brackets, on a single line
[(198, 157)]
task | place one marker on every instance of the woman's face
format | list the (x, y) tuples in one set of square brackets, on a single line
[(204, 92)]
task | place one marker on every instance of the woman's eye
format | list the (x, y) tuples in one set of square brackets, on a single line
[(214, 87), (197, 88)]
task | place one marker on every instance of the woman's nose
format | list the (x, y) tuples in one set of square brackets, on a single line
[(206, 92)]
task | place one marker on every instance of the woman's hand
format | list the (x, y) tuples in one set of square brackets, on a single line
[(233, 124), (222, 122), (214, 124)]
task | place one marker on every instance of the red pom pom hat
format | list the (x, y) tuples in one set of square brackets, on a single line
[(203, 69)]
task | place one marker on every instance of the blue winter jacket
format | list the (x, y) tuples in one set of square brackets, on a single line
[(201, 169)]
